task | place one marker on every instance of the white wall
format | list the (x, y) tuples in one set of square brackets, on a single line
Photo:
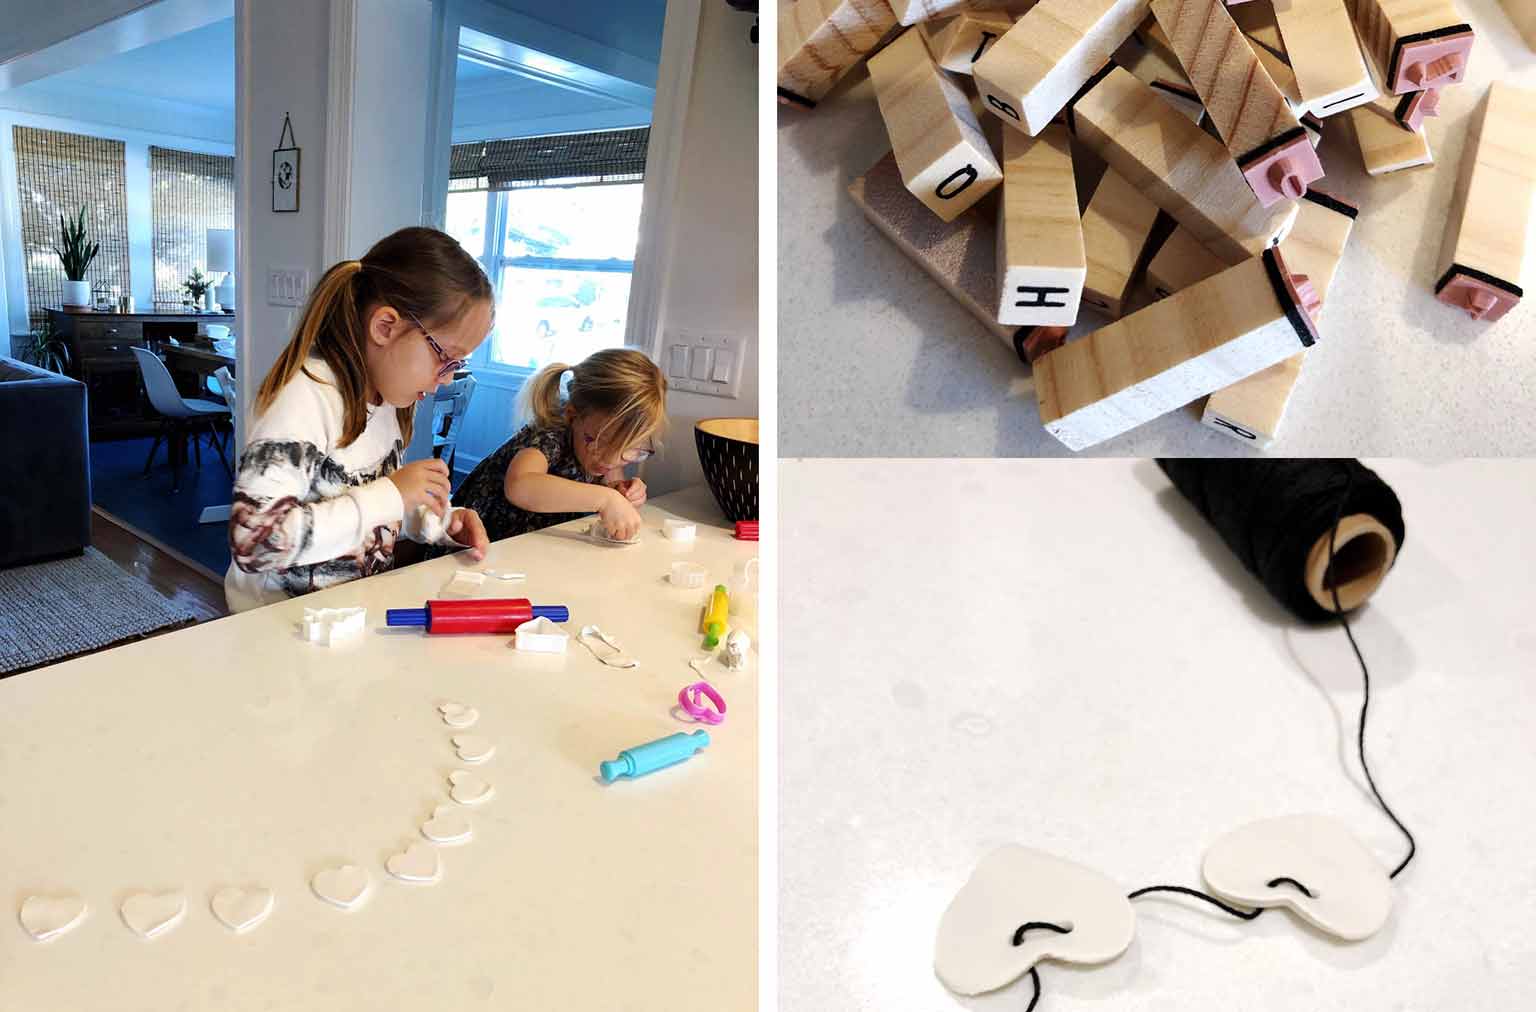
[(712, 287), (284, 64)]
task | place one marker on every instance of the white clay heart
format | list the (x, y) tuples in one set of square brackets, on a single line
[(469, 789), (345, 887), (239, 909), (458, 714), (419, 863), (153, 914), (472, 748), (1277, 862), (1014, 887), (46, 917), (447, 825)]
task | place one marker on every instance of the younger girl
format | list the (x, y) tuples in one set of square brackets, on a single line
[(569, 460), (320, 495)]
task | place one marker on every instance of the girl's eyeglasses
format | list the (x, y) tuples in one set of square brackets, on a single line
[(631, 456), (449, 365)]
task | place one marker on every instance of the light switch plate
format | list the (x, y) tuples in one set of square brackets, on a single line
[(287, 286), (710, 364)]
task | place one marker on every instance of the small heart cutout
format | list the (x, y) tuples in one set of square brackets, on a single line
[(447, 825), (469, 789), (239, 909), (458, 714), (472, 748), (345, 887), (153, 914), (46, 917), (419, 863)]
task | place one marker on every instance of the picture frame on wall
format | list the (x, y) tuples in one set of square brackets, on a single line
[(285, 171)]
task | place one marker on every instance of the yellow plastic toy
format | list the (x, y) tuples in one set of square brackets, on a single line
[(716, 613)]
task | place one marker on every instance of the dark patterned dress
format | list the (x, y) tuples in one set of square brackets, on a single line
[(484, 490)]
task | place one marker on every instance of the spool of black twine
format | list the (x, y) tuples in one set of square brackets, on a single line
[(1277, 517)]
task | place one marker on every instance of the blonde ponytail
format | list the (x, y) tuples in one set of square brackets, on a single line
[(618, 382)]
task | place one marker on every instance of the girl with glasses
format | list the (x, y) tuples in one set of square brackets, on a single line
[(587, 423), (320, 495)]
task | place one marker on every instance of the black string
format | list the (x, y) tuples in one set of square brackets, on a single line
[(1246, 915), (1365, 675), (1286, 878), (1018, 936), (1034, 978)]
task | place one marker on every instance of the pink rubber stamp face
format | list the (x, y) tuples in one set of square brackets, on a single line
[(1285, 172), (1432, 63), (1419, 106), (1481, 300)]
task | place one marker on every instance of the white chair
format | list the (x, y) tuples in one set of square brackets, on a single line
[(180, 417), (226, 382)]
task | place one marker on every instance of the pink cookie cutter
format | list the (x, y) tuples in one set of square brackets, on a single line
[(689, 698)]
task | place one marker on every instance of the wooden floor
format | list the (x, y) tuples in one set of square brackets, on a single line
[(175, 579)]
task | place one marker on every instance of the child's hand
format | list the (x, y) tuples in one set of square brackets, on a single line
[(620, 518), (424, 483), (467, 528), (634, 491)]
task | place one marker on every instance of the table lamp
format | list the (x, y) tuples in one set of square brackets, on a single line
[(221, 259)]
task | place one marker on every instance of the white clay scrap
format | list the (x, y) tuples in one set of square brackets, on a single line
[(465, 583), (447, 826), (472, 748), (541, 636), (458, 714), (505, 574), (151, 915), (614, 656), (418, 863), (600, 533), (331, 626), (1014, 886), (241, 910), (1276, 862), (737, 645), (345, 886), (431, 525), (469, 789), (47, 917)]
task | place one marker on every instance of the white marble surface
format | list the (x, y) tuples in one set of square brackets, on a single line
[(875, 359), (233, 753), (1064, 656)]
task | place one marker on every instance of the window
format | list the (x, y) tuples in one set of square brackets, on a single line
[(57, 174), (192, 192), (555, 222)]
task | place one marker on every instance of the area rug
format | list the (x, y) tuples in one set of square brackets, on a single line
[(54, 610)]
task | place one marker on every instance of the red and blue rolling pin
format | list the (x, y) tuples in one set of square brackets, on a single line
[(476, 615)]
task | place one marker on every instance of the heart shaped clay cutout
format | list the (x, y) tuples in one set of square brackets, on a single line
[(448, 826), (346, 886), (458, 714), (241, 910), (469, 789), (1277, 862), (48, 917), (151, 915), (1017, 887), (472, 748), (419, 863)]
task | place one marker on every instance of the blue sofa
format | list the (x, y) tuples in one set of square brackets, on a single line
[(45, 499)]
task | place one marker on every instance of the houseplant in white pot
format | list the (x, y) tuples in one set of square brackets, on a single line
[(76, 256)]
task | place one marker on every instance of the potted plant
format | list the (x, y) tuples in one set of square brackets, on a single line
[(197, 287), (46, 349), (76, 256)]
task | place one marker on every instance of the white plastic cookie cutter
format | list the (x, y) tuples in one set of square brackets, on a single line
[(541, 636), (331, 626)]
